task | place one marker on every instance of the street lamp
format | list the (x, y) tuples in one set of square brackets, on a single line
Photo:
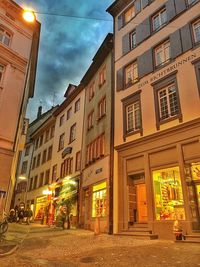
[(29, 16)]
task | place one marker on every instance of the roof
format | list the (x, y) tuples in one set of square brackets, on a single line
[(98, 59), (118, 6)]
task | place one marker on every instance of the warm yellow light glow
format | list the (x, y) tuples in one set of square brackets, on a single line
[(22, 178), (47, 192), (29, 16)]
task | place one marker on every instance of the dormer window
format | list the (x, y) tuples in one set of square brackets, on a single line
[(5, 37)]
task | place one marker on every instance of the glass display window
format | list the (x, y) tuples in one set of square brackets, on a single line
[(169, 204), (99, 200)]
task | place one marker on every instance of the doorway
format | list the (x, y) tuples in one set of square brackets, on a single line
[(137, 200), (142, 203)]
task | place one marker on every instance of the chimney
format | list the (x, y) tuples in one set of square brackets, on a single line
[(39, 112)]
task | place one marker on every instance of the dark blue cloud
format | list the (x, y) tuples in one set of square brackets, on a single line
[(67, 45)]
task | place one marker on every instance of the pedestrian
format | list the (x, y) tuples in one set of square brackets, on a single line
[(28, 214), (63, 215), (21, 214)]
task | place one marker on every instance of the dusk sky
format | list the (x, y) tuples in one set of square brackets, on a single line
[(67, 45)]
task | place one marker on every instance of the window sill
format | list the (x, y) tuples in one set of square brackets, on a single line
[(90, 128), (164, 64), (176, 117), (101, 84), (71, 141), (101, 118), (130, 133), (130, 84)]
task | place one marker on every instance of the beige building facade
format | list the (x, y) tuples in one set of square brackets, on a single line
[(96, 149), (157, 116), (18, 60)]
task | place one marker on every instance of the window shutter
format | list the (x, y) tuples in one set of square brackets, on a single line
[(120, 22), (170, 8), (145, 3), (180, 6), (143, 30), (186, 38), (175, 44), (145, 63), (125, 44), (120, 80), (137, 5)]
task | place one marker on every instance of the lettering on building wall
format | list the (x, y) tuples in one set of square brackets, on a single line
[(167, 70)]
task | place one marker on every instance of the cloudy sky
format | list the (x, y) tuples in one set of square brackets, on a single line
[(67, 45)]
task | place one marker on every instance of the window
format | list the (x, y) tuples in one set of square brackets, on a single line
[(36, 143), (69, 113), (191, 2), (78, 161), (91, 91), (30, 184), (47, 175), (61, 142), (77, 105), (197, 71), (1, 72), (44, 156), (49, 153), (54, 173), (72, 133), (196, 31), (34, 162), (102, 108), (95, 149), (168, 195), (24, 167), (99, 200), (129, 14), (61, 120), (70, 165), (91, 120), (41, 140), (41, 179), (35, 182), (38, 160), (159, 19), (162, 54), (133, 117), (27, 150), (168, 102), (5, 37), (133, 39), (52, 131), (102, 76), (47, 133), (131, 74)]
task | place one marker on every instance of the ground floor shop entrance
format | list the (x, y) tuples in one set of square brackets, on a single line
[(137, 201)]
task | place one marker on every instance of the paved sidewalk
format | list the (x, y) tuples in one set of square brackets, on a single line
[(17, 233)]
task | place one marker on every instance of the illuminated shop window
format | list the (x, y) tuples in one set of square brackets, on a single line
[(99, 200), (169, 202)]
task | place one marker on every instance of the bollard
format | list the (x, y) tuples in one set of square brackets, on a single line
[(97, 226)]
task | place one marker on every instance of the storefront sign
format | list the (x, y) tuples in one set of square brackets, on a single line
[(99, 170), (67, 150), (168, 70)]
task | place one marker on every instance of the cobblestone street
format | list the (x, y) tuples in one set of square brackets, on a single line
[(70, 248)]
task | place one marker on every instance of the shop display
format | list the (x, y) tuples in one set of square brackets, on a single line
[(99, 200), (168, 194)]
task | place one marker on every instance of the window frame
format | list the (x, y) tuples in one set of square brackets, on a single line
[(196, 64), (161, 25), (132, 81), (127, 101), (5, 32), (163, 63), (61, 121), (2, 71), (72, 137), (102, 76), (131, 39), (91, 90), (195, 42), (102, 108), (61, 143), (161, 84), (126, 11), (69, 113), (77, 105), (90, 122), (78, 161)]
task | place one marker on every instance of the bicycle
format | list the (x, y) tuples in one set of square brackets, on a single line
[(4, 224)]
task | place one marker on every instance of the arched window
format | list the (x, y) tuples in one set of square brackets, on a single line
[(5, 36)]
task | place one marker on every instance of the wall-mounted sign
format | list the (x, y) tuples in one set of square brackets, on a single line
[(67, 150), (99, 170)]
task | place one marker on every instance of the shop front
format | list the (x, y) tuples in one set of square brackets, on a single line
[(40, 207), (158, 182)]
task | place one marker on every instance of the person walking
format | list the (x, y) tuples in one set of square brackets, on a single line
[(28, 214), (21, 214)]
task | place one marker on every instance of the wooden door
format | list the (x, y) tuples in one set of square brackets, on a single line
[(142, 203)]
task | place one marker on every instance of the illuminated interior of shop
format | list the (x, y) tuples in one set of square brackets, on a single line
[(99, 200), (169, 202), (40, 207)]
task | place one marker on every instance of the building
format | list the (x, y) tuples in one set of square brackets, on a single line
[(66, 160), (96, 182), (19, 43), (157, 102), (33, 172)]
